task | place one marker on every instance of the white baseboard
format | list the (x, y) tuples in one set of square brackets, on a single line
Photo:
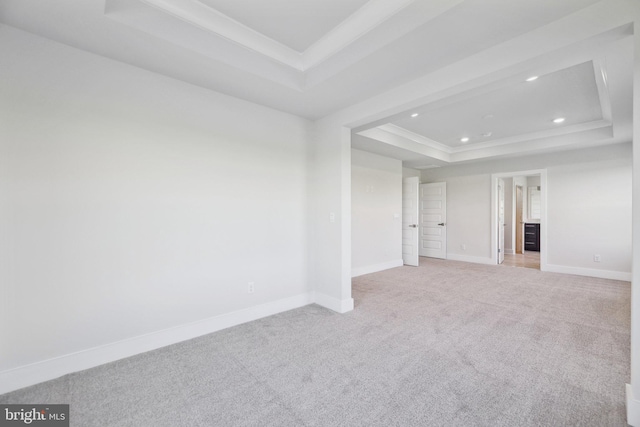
[(468, 258), (359, 271), (633, 408), (589, 272), (45, 370), (509, 252), (340, 306)]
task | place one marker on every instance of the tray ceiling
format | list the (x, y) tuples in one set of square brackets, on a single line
[(317, 58), (296, 24)]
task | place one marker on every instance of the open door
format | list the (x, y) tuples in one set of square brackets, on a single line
[(519, 223), (410, 199)]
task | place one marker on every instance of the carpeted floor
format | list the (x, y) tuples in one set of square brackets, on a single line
[(443, 344)]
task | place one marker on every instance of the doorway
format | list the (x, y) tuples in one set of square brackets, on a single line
[(433, 217), (518, 221)]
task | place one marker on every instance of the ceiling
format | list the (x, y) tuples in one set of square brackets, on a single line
[(305, 21), (313, 58)]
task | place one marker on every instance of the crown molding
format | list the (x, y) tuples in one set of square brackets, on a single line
[(600, 72), (420, 139), (554, 138), (364, 20), (202, 16)]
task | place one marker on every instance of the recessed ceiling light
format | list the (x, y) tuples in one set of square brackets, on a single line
[(559, 120), (532, 78), (415, 115), (487, 134), (465, 139)]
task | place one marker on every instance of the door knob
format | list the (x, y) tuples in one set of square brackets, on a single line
[(413, 225), (442, 223)]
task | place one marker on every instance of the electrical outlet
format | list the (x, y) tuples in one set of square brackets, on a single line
[(332, 217), (463, 247), (251, 288), (596, 258)]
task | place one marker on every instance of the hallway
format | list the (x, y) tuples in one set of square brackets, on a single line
[(530, 259)]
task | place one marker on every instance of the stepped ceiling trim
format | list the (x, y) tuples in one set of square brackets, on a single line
[(364, 20)]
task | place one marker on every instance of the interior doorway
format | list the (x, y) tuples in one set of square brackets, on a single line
[(519, 219)]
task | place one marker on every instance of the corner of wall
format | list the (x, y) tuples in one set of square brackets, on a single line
[(339, 306), (633, 408)]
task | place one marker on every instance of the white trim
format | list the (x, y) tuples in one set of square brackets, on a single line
[(374, 268), (633, 408), (589, 272), (420, 139), (209, 19), (361, 22), (509, 252), (469, 258), (45, 370), (339, 306), (532, 136)]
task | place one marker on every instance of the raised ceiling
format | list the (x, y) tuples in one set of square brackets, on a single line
[(296, 24), (314, 58), (515, 109)]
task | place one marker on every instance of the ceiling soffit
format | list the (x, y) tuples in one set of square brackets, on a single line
[(360, 22), (198, 27), (297, 24)]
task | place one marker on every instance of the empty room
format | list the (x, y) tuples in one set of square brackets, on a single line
[(319, 213)]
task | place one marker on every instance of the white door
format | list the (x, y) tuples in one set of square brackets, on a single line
[(500, 221), (433, 220), (410, 220)]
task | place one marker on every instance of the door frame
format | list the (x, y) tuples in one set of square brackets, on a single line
[(415, 231), (443, 225), (543, 212)]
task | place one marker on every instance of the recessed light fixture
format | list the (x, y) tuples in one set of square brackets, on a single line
[(415, 115), (465, 139), (532, 78), (487, 134), (559, 120)]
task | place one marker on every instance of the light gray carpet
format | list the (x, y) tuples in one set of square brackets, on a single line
[(443, 344)]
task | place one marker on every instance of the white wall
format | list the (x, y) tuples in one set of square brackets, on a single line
[(376, 212), (409, 172), (592, 215), (133, 203), (531, 181), (330, 216), (588, 205)]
